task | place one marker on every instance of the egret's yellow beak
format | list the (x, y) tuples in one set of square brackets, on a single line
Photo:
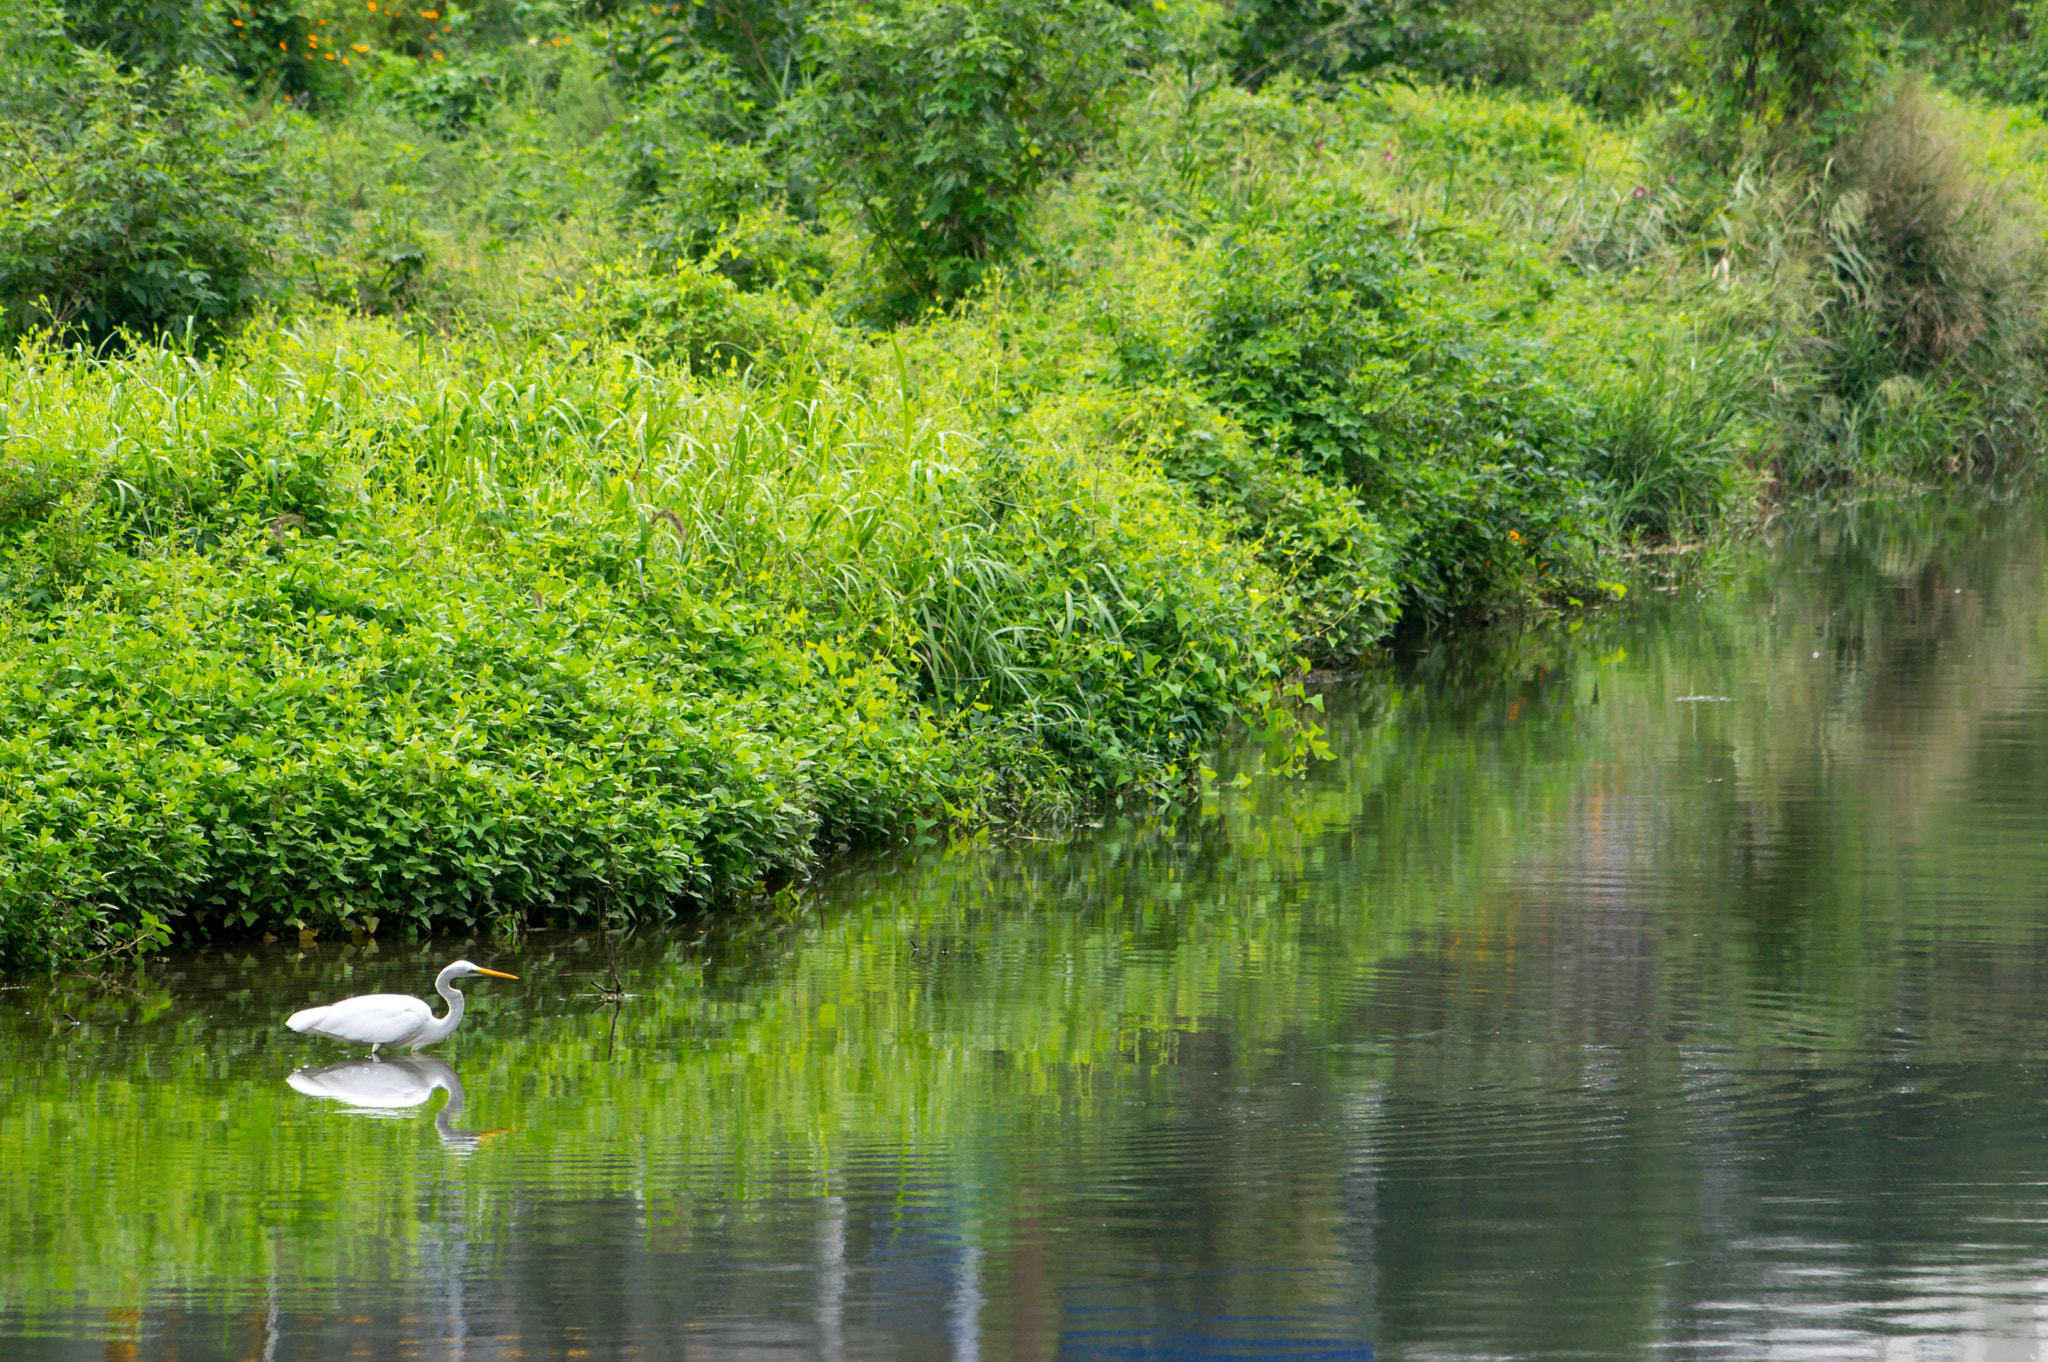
[(495, 974)]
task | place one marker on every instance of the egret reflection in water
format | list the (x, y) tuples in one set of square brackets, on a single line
[(388, 1084)]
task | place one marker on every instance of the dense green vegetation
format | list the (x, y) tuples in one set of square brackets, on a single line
[(534, 462)]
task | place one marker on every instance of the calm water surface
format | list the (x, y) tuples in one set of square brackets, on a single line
[(1667, 986)]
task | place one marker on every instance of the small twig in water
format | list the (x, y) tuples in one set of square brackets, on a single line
[(614, 992)]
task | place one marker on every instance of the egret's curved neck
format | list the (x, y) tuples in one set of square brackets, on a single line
[(441, 1026)]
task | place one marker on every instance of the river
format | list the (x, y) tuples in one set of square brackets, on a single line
[(1663, 982)]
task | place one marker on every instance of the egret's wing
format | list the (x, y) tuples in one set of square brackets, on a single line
[(373, 1019), (365, 1083)]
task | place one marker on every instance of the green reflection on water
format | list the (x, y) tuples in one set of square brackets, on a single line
[(1516, 1028)]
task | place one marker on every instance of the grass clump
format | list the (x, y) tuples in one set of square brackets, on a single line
[(1931, 299)]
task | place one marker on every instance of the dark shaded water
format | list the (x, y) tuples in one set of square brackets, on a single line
[(1667, 985)]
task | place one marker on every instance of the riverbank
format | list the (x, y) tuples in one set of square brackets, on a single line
[(583, 513)]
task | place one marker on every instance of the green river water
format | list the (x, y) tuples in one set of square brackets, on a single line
[(1664, 984)]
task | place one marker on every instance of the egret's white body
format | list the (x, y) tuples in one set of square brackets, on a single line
[(377, 1019)]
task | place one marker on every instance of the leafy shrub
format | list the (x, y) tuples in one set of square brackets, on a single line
[(123, 214), (696, 187), (1631, 57), (1322, 339), (277, 45), (1335, 561), (705, 101), (2005, 58), (760, 41), (645, 44), (710, 186), (1784, 77), (335, 732), (1187, 161), (444, 96), (690, 313), (394, 258), (702, 188), (942, 118)]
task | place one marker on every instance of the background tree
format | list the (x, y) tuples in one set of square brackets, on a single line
[(1783, 62), (941, 119), (1330, 38), (127, 209), (152, 38)]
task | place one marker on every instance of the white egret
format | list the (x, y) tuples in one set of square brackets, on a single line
[(391, 1018)]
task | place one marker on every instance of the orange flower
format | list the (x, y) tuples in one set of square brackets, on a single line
[(360, 47), (1515, 535)]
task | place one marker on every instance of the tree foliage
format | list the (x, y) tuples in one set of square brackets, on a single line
[(152, 38), (1331, 38), (942, 118), (123, 212)]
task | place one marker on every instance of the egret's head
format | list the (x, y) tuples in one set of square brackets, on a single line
[(462, 967)]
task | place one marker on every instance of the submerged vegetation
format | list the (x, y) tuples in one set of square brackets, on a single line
[(550, 462)]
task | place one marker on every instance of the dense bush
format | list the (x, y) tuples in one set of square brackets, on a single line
[(127, 210), (1329, 38), (1335, 560), (2003, 54), (1634, 57), (322, 734), (699, 181), (941, 119), (693, 314), (1321, 338)]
